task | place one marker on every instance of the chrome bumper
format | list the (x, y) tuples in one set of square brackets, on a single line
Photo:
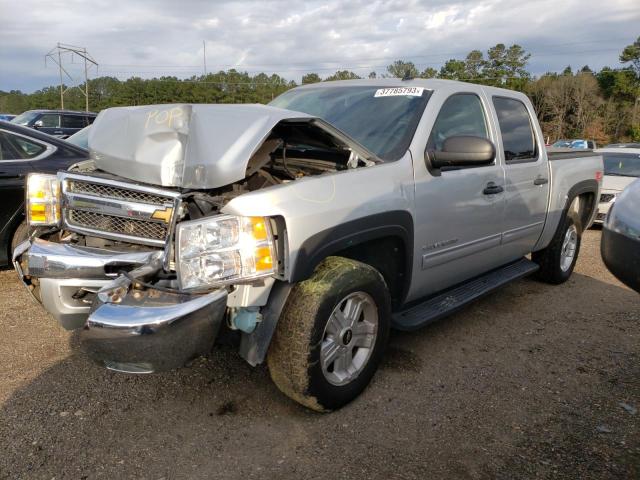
[(124, 329)]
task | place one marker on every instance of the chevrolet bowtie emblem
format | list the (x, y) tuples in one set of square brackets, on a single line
[(163, 214)]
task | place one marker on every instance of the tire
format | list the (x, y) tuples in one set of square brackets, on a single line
[(555, 266), (309, 357), (19, 236)]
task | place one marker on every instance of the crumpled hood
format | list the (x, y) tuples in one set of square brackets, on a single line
[(182, 145)]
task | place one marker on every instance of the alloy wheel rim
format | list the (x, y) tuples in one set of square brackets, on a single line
[(349, 338), (569, 246)]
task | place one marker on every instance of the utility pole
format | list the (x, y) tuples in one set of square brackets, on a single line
[(204, 57), (62, 49)]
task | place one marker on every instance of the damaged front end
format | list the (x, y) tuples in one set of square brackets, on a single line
[(134, 248), (126, 326)]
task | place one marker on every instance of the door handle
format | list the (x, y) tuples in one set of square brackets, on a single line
[(540, 181), (492, 189)]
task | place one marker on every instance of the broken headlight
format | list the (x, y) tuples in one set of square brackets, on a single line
[(223, 249)]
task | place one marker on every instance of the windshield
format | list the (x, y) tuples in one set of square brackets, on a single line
[(383, 120), (562, 143), (623, 164), (80, 138), (25, 118)]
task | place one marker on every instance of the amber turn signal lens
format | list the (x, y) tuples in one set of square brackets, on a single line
[(43, 199)]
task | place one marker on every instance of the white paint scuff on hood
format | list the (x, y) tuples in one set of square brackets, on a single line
[(182, 145)]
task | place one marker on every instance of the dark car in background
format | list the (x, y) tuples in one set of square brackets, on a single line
[(7, 117), (22, 151), (620, 245), (59, 123)]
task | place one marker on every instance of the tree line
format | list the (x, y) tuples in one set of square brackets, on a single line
[(602, 105)]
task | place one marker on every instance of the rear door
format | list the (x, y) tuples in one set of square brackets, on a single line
[(526, 177), (72, 124), (458, 212), (49, 123)]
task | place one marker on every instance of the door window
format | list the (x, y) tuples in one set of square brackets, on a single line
[(461, 114), (518, 139), (13, 147), (73, 121), (50, 121)]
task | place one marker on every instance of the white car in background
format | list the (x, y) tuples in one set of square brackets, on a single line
[(621, 168)]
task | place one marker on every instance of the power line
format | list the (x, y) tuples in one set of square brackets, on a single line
[(56, 54), (315, 65)]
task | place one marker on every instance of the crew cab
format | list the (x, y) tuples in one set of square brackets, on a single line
[(311, 226)]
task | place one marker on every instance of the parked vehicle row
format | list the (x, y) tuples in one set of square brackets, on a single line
[(575, 143), (310, 226)]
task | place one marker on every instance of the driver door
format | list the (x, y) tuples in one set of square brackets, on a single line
[(458, 212)]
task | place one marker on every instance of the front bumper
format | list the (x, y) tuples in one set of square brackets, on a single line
[(124, 328)]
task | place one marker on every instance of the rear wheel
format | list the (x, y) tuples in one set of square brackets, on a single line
[(331, 335), (558, 260)]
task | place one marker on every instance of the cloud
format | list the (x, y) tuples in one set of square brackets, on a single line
[(162, 37)]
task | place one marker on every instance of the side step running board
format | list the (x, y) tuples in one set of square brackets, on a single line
[(449, 301)]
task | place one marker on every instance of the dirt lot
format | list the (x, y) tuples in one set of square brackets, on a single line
[(534, 381)]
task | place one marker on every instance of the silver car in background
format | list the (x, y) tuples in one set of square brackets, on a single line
[(621, 168)]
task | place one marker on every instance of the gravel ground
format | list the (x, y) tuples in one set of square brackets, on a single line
[(533, 381)]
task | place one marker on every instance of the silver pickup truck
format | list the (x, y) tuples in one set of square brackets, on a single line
[(310, 226)]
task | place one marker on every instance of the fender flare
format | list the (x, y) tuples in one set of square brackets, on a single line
[(585, 186), (397, 223)]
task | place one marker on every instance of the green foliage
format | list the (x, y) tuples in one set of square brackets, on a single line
[(453, 70), (631, 54), (634, 133), (231, 86), (429, 72), (402, 69), (342, 75), (311, 78)]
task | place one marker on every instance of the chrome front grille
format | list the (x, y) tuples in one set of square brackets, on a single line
[(120, 225), (102, 190), (118, 210)]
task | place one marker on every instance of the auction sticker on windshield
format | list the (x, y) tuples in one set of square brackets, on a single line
[(399, 92)]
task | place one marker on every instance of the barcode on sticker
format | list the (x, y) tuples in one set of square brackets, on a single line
[(399, 92)]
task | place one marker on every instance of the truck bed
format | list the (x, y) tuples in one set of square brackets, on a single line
[(578, 172)]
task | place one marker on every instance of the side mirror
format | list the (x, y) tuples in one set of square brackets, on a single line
[(38, 124), (463, 151)]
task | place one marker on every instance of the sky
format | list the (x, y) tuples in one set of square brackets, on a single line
[(153, 38)]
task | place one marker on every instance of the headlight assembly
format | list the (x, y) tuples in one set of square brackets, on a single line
[(43, 200), (223, 249)]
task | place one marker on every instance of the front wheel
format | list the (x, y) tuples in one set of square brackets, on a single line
[(558, 260), (331, 335)]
